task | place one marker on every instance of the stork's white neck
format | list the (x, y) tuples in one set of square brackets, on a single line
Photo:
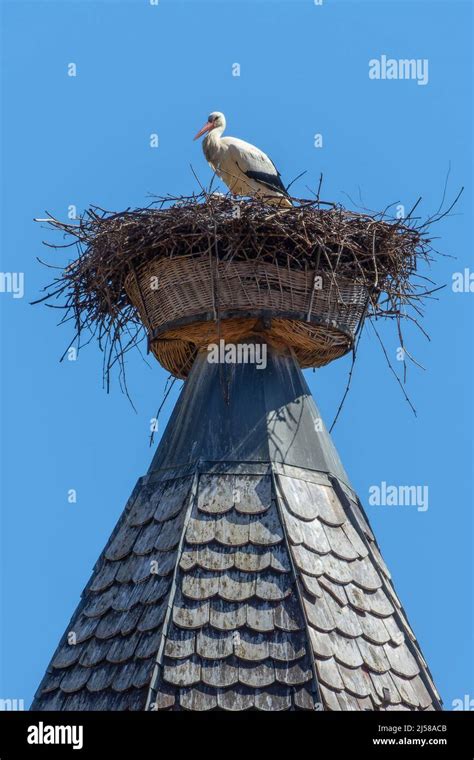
[(212, 146), (214, 135)]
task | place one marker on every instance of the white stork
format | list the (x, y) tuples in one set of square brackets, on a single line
[(245, 169)]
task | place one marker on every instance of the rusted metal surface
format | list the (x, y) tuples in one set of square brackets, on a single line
[(241, 576)]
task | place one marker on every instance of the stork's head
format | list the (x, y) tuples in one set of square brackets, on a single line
[(215, 120)]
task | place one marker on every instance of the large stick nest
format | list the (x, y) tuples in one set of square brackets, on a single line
[(372, 249)]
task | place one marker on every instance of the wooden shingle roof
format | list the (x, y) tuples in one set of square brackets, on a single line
[(243, 573)]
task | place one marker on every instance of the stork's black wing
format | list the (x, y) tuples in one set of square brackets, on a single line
[(272, 181)]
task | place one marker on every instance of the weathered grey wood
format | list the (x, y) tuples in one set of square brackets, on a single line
[(236, 624), (286, 647), (101, 677), (288, 615), (143, 670), (198, 698), (311, 585), (215, 493), (104, 577), (303, 698), (330, 698), (266, 530), (236, 699), (236, 586), (327, 505), (355, 539), (345, 619), (379, 560), (335, 569), (180, 643), (329, 673), (321, 643), (358, 599), (380, 604), (273, 700), (252, 494), (385, 688), (124, 677), (172, 500), (242, 585), (190, 615), (336, 590), (307, 561), (152, 616), (200, 529), (213, 644), (123, 648), (345, 650), (356, 681), (397, 635), (318, 614), (95, 651), (252, 647), (298, 499), (143, 507), (154, 589), (422, 694), (201, 584), (293, 674), (208, 557), (126, 567), (373, 628), (182, 672), (360, 519), (347, 702), (227, 616), (374, 656), (365, 575), (232, 529), (147, 538), (148, 644), (406, 690), (314, 537), (340, 545), (401, 660), (280, 560), (164, 698), (294, 528), (170, 533), (273, 586), (83, 628), (75, 678), (51, 681), (68, 654), (257, 675), (260, 615), (253, 559), (122, 543)]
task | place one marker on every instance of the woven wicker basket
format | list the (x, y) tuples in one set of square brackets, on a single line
[(186, 303)]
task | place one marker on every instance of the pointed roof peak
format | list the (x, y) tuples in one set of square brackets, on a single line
[(252, 411)]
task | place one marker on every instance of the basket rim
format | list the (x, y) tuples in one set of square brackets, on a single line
[(264, 314), (191, 259)]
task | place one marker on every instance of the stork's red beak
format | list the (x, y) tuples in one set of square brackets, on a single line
[(206, 128)]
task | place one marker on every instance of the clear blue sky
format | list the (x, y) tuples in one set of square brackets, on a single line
[(145, 69)]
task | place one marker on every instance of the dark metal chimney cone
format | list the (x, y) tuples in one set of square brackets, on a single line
[(243, 573)]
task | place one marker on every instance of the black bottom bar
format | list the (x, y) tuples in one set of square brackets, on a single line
[(434, 734)]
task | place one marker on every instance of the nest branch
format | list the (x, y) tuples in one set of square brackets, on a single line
[(382, 253)]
